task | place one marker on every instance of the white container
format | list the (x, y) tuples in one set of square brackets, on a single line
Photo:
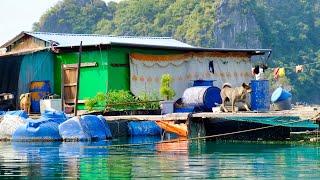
[(50, 104), (167, 107)]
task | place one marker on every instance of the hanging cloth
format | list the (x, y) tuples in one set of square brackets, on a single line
[(299, 68), (256, 70), (282, 72), (211, 67), (276, 73)]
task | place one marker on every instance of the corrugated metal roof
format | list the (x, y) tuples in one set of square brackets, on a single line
[(93, 39), (73, 40)]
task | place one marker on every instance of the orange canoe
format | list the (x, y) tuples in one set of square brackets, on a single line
[(169, 126)]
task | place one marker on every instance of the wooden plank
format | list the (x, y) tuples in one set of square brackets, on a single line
[(70, 84), (62, 87), (74, 66), (167, 117), (71, 101), (304, 113), (69, 92), (119, 65)]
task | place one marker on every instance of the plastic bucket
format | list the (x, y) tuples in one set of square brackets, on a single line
[(280, 95), (282, 105), (203, 83), (167, 107), (260, 95), (38, 90), (203, 97)]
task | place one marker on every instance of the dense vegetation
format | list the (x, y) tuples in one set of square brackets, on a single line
[(290, 28)]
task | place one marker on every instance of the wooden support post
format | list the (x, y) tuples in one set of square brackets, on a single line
[(62, 87), (78, 81)]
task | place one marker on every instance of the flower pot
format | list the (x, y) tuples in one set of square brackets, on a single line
[(167, 107)]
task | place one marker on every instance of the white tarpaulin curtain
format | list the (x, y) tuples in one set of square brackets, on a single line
[(146, 71)]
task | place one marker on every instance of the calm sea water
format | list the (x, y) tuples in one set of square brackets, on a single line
[(177, 160)]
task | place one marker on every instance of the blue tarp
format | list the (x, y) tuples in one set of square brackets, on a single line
[(37, 66)]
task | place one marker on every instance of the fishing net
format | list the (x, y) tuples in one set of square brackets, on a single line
[(288, 121)]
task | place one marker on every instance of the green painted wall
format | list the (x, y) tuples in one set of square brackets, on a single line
[(112, 72), (92, 79)]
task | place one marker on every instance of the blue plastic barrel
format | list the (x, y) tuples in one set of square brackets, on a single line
[(38, 90), (203, 97), (260, 100), (203, 83), (280, 95), (37, 130)]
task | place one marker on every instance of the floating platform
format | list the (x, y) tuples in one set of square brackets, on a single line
[(272, 125)]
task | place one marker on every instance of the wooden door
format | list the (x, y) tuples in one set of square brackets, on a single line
[(69, 84)]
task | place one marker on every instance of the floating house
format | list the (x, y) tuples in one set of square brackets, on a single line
[(24, 59), (116, 62)]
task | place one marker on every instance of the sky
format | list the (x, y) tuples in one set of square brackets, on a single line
[(19, 15)]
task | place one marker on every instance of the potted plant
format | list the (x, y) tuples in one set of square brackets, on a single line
[(167, 93)]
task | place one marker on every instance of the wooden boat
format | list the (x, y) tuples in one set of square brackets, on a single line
[(169, 126)]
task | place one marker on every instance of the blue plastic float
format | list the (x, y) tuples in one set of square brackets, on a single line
[(88, 127), (71, 130), (11, 121), (55, 116), (42, 129), (96, 127), (144, 128), (19, 113)]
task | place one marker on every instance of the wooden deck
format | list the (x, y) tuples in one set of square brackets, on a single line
[(302, 112)]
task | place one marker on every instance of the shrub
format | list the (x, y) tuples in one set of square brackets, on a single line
[(166, 91)]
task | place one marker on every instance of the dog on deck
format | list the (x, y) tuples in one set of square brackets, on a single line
[(25, 102), (233, 95)]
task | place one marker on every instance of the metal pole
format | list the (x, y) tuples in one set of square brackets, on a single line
[(78, 81)]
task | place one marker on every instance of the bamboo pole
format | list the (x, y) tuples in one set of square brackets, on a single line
[(78, 81)]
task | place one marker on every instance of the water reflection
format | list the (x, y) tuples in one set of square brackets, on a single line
[(177, 159)]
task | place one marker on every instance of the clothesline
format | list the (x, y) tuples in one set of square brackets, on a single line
[(288, 67)]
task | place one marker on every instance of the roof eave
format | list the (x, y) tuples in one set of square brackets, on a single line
[(251, 52)]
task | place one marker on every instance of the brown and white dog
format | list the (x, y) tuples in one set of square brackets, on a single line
[(25, 102), (237, 94)]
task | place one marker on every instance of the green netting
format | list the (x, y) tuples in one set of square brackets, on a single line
[(287, 121)]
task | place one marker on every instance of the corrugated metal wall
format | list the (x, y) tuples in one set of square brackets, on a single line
[(37, 66)]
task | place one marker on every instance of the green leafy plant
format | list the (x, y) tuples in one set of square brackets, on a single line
[(145, 99), (120, 100), (96, 103), (166, 91), (117, 100)]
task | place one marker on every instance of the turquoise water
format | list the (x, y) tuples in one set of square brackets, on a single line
[(178, 160)]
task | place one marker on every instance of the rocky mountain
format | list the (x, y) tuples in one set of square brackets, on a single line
[(290, 28)]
